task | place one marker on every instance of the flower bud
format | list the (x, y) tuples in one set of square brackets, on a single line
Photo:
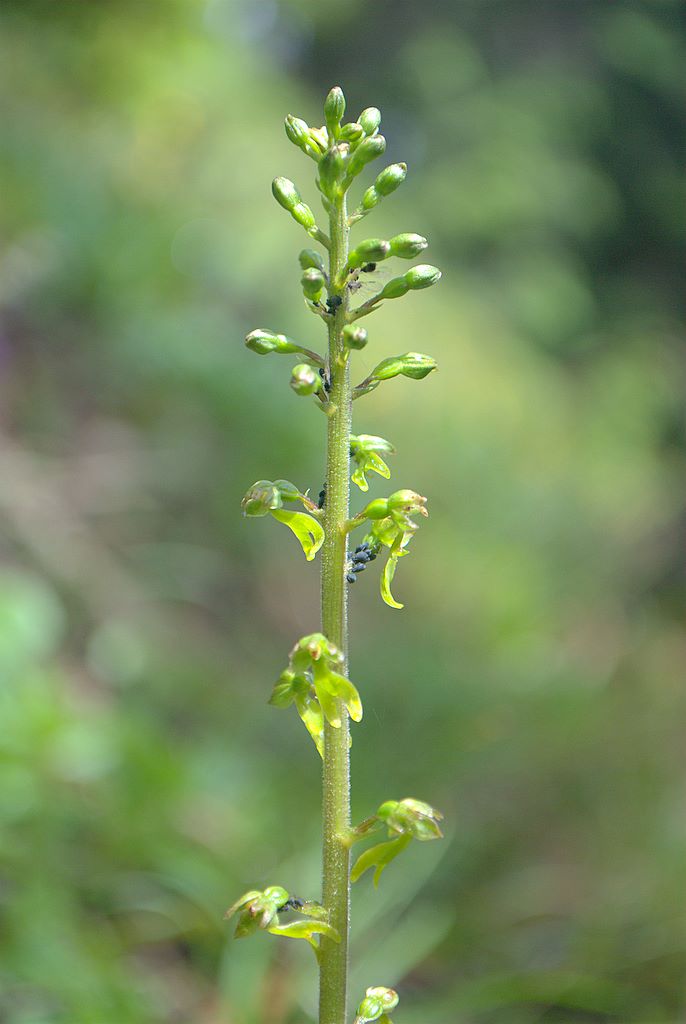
[(377, 1001), (305, 380), (262, 497), (351, 132), (332, 171), (395, 288), (312, 281), (376, 509), (370, 199), (388, 996), (304, 216), (371, 250), (422, 276), (411, 817), (285, 193), (390, 178), (367, 151), (354, 337), (263, 342), (334, 109), (407, 246), (411, 364), (298, 131), (370, 119), (311, 258)]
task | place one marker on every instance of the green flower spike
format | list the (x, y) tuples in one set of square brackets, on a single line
[(406, 820), (377, 1001), (364, 450), (315, 685), (266, 497), (259, 910)]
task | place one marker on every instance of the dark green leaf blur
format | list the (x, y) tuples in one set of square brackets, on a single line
[(532, 688)]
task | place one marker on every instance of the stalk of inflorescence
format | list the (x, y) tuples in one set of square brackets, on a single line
[(316, 679)]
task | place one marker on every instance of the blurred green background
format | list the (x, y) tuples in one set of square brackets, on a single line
[(533, 686)]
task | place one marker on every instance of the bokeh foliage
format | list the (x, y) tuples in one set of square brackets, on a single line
[(534, 683)]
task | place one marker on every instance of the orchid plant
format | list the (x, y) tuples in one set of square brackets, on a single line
[(315, 680)]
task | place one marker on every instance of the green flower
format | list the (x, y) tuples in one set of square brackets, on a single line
[(364, 450)]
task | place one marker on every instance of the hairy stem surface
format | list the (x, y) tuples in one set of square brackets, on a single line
[(336, 773)]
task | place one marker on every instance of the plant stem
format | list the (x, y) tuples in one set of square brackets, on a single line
[(333, 972)]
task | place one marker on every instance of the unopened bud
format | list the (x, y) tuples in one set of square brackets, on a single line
[(298, 131), (370, 199), (395, 288), (285, 193), (390, 178), (263, 342), (354, 337), (351, 132), (407, 246), (367, 151), (311, 258), (422, 276), (334, 109), (304, 216), (332, 170), (305, 380), (412, 364), (370, 119), (312, 281), (371, 250)]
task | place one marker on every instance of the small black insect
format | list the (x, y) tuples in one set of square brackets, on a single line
[(321, 502), (368, 268), (325, 378), (293, 903), (361, 556), (333, 302)]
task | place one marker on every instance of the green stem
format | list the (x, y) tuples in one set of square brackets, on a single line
[(333, 972)]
